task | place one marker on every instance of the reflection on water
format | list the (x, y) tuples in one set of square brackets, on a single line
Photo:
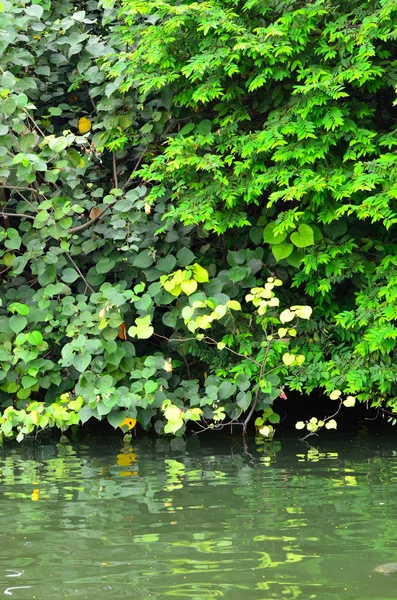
[(183, 520)]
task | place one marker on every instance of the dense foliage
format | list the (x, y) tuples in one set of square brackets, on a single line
[(165, 168)]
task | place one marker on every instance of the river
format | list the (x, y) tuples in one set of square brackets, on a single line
[(200, 519)]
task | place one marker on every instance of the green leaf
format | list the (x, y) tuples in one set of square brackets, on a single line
[(166, 264), (115, 418), (184, 257), (104, 265), (295, 258), (82, 361), (243, 400), (270, 237), (27, 141), (58, 144), (143, 260), (238, 273), (69, 275), (226, 389), (282, 250), (34, 338), (17, 323), (21, 309), (28, 381), (303, 237), (34, 10), (85, 414)]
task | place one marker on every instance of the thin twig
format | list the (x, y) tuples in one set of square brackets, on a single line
[(212, 341), (255, 402), (7, 214), (116, 181), (80, 273), (91, 221)]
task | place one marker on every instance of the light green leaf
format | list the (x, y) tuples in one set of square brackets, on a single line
[(270, 237), (17, 323), (282, 250), (58, 144), (69, 275), (81, 361), (303, 237)]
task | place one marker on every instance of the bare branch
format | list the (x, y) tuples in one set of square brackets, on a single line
[(79, 272), (115, 180), (7, 214)]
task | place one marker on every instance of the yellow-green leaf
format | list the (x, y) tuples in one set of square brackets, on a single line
[(287, 315), (350, 401), (288, 359), (335, 394), (189, 286), (332, 424), (234, 305)]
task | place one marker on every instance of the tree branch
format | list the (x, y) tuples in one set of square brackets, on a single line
[(7, 214), (79, 272)]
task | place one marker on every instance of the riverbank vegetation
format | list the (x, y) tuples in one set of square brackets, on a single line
[(197, 205)]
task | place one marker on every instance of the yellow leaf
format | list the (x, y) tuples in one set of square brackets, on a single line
[(304, 312), (350, 401), (332, 424), (288, 359), (266, 431), (335, 394), (168, 365), (129, 423), (35, 416), (189, 286), (287, 315), (84, 125), (282, 331), (300, 425)]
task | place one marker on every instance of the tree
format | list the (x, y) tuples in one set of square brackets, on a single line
[(163, 172)]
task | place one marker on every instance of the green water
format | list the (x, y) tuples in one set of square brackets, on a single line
[(205, 519)]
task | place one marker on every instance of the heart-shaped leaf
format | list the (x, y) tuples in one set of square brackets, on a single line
[(270, 237), (282, 250), (303, 237), (189, 286), (287, 315), (17, 323), (288, 359)]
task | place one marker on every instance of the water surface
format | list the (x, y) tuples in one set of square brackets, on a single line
[(200, 519)]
